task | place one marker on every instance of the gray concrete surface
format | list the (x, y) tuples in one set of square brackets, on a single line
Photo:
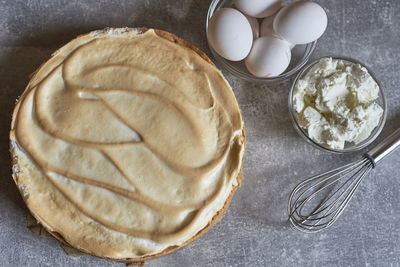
[(254, 231)]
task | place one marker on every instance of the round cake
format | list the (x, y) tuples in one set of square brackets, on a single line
[(127, 144)]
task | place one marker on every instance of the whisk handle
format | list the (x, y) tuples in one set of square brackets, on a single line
[(387, 146)]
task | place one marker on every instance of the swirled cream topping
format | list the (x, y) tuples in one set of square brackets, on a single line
[(127, 143)]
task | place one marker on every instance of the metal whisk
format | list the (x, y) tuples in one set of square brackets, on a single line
[(317, 202)]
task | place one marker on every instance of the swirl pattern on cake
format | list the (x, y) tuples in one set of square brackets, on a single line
[(131, 134)]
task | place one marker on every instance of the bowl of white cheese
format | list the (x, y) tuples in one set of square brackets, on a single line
[(337, 104)]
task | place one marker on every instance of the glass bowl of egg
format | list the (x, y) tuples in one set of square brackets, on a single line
[(262, 40), (337, 104)]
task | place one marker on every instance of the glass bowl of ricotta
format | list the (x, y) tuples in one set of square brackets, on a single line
[(300, 54), (337, 104)]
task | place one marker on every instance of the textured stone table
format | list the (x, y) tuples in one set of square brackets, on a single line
[(254, 231)]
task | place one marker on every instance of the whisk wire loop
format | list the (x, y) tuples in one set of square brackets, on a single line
[(332, 205), (332, 191)]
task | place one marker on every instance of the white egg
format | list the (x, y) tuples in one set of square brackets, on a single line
[(258, 8), (269, 57), (301, 22), (255, 26), (230, 34), (267, 28)]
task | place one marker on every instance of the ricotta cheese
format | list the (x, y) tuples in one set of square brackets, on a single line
[(335, 103)]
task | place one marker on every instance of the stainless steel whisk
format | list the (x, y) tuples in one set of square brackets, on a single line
[(317, 202)]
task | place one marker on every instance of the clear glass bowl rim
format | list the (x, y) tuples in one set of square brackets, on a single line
[(247, 76), (356, 147)]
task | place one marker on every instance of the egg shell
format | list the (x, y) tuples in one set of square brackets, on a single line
[(301, 22), (269, 57), (267, 28), (258, 8), (230, 34), (255, 26)]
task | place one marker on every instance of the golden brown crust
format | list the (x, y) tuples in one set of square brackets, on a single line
[(140, 260)]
